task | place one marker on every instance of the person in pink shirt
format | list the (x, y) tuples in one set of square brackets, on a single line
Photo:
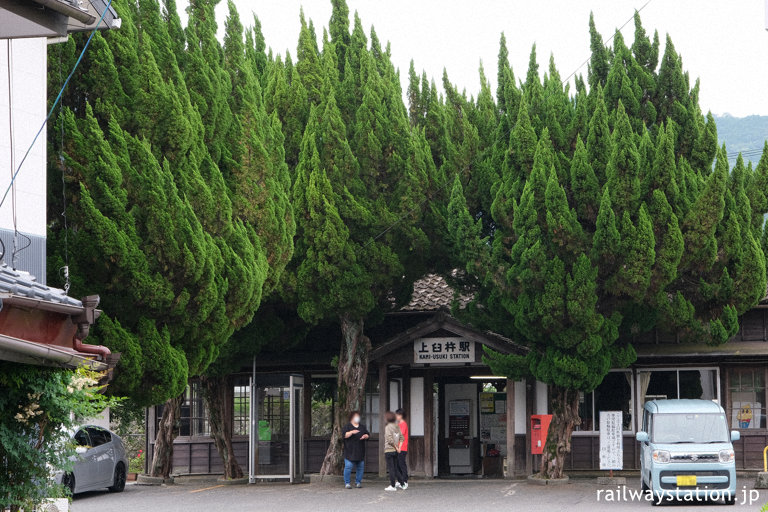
[(402, 455)]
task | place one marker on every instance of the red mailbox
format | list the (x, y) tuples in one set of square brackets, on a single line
[(539, 427)]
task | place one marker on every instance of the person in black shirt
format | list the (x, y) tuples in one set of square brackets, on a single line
[(354, 434)]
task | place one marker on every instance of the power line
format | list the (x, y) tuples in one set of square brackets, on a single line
[(56, 102), (607, 41)]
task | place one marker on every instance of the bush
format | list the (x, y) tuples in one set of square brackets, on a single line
[(40, 406), (136, 464)]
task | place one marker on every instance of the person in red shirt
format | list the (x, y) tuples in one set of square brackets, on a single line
[(402, 455)]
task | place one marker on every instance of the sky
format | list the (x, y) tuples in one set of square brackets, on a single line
[(723, 42)]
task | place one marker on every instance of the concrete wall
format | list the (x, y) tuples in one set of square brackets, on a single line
[(22, 111)]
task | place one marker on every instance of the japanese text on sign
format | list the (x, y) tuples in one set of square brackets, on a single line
[(611, 447), (443, 351)]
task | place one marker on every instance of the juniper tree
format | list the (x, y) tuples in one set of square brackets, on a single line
[(624, 227), (359, 172), (178, 254)]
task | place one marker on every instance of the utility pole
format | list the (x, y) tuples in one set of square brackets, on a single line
[(766, 14)]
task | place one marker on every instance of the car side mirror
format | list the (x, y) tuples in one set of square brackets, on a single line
[(735, 435), (642, 437), (80, 450)]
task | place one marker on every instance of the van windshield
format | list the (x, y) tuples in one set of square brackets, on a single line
[(690, 428)]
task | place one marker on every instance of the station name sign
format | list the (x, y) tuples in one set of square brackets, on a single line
[(443, 351)]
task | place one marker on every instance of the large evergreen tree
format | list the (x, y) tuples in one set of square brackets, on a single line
[(609, 229), (179, 204), (359, 173)]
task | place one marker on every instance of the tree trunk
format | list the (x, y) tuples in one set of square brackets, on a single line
[(352, 372), (565, 416), (167, 431), (218, 398)]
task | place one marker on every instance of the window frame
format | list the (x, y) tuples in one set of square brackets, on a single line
[(632, 403), (242, 388), (640, 404), (198, 413), (729, 402)]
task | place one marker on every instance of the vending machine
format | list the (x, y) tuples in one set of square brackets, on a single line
[(459, 436)]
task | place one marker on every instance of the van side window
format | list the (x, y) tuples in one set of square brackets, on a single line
[(645, 421)]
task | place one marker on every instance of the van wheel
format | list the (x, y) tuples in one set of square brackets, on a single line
[(118, 483), (730, 500)]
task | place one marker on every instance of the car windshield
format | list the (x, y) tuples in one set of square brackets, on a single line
[(690, 428)]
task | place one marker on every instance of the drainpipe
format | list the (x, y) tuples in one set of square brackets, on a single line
[(84, 324), (100, 350)]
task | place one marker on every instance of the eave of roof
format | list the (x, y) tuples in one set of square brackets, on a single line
[(30, 352), (442, 320)]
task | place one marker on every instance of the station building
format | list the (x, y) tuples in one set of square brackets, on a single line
[(463, 420)]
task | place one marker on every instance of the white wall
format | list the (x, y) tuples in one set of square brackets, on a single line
[(27, 111), (416, 414), (394, 394), (462, 392)]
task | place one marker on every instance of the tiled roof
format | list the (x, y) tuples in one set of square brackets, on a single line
[(24, 284), (433, 293)]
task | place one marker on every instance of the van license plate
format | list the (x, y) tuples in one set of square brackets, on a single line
[(686, 480)]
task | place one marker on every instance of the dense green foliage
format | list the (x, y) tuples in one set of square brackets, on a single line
[(40, 408), (177, 191), (613, 213), (202, 176)]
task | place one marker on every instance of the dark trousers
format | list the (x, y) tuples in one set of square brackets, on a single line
[(402, 466), (394, 474)]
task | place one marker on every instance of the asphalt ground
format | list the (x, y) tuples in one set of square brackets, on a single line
[(191, 495)]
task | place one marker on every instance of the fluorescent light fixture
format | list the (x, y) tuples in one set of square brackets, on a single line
[(487, 377)]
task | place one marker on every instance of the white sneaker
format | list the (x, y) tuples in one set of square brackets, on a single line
[(390, 488), (405, 486), (398, 486)]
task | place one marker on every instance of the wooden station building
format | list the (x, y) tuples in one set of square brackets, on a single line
[(463, 420)]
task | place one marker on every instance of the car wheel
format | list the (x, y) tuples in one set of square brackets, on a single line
[(68, 481), (118, 483), (731, 500)]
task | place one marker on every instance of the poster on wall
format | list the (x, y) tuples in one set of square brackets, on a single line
[(611, 442), (746, 415), (493, 417)]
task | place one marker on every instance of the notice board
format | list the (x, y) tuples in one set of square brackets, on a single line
[(611, 442), (493, 418)]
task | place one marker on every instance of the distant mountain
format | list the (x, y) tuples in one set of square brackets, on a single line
[(743, 134)]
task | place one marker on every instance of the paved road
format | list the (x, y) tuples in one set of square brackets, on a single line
[(422, 496)]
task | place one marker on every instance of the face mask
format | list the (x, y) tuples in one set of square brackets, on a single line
[(356, 419)]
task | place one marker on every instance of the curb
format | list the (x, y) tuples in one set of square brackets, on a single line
[(232, 481), (152, 480), (611, 480), (535, 480)]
